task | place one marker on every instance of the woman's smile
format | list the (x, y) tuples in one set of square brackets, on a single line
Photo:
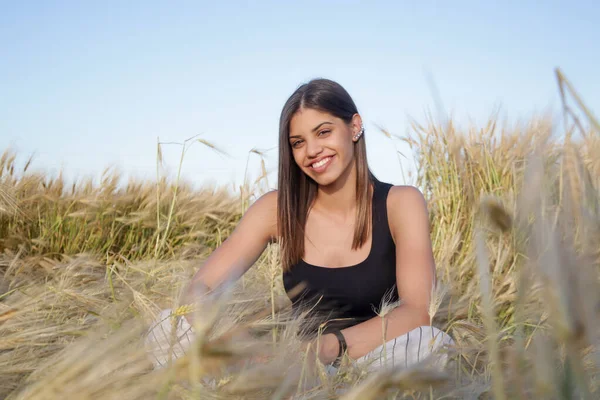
[(321, 165)]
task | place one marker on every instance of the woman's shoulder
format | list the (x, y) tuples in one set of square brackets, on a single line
[(263, 211), (400, 193), (405, 203), (265, 205), (405, 193), (268, 200)]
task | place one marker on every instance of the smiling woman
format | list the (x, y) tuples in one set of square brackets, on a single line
[(352, 242)]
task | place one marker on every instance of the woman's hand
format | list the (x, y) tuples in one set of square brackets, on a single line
[(324, 348)]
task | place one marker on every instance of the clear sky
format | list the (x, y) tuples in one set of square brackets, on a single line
[(85, 85)]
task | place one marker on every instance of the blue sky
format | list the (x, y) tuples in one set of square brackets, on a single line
[(86, 85)]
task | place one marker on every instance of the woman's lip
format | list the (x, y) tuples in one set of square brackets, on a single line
[(322, 167)]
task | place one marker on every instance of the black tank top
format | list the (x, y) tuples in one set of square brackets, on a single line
[(346, 296)]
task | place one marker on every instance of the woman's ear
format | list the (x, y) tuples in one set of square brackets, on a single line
[(356, 127)]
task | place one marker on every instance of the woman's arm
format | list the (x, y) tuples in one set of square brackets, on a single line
[(239, 251), (415, 276)]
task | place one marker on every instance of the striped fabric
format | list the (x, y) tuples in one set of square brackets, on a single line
[(168, 338), (409, 349), (406, 350)]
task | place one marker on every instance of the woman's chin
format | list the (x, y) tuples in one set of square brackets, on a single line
[(325, 179)]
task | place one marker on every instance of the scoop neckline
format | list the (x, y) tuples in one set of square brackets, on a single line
[(344, 266), (375, 184)]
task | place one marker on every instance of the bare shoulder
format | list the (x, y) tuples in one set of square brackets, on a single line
[(407, 195), (267, 200), (406, 206), (263, 213)]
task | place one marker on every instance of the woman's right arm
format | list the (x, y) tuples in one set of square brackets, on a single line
[(239, 251)]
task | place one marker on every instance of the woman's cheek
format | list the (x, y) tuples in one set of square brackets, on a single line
[(298, 160)]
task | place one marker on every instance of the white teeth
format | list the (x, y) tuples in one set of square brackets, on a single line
[(321, 163)]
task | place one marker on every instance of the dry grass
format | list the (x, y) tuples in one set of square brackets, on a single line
[(515, 227)]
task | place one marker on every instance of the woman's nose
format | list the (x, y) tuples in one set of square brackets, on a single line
[(314, 148)]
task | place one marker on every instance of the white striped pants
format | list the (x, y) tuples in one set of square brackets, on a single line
[(405, 350), (409, 349)]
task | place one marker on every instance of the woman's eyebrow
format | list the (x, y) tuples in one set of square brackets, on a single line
[(314, 129), (321, 124)]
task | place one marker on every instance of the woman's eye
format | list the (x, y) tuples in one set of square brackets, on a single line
[(324, 132), (296, 144)]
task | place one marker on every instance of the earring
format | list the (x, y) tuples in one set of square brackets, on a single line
[(359, 134)]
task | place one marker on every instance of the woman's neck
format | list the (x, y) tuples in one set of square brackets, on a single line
[(340, 196)]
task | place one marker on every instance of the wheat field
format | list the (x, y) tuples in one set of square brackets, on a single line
[(515, 225)]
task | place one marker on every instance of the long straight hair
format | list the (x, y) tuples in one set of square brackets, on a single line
[(297, 191)]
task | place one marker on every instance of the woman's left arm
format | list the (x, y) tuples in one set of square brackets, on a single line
[(415, 276)]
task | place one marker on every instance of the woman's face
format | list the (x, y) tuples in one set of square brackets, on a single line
[(322, 145)]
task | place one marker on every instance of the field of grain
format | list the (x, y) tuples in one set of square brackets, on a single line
[(515, 225)]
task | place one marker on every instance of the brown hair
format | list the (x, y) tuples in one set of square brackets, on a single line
[(297, 191)]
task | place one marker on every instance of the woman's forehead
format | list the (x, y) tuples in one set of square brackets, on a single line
[(307, 119)]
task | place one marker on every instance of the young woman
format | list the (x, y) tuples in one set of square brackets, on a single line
[(352, 241)]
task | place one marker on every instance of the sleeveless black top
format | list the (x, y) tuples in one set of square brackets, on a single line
[(345, 296)]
